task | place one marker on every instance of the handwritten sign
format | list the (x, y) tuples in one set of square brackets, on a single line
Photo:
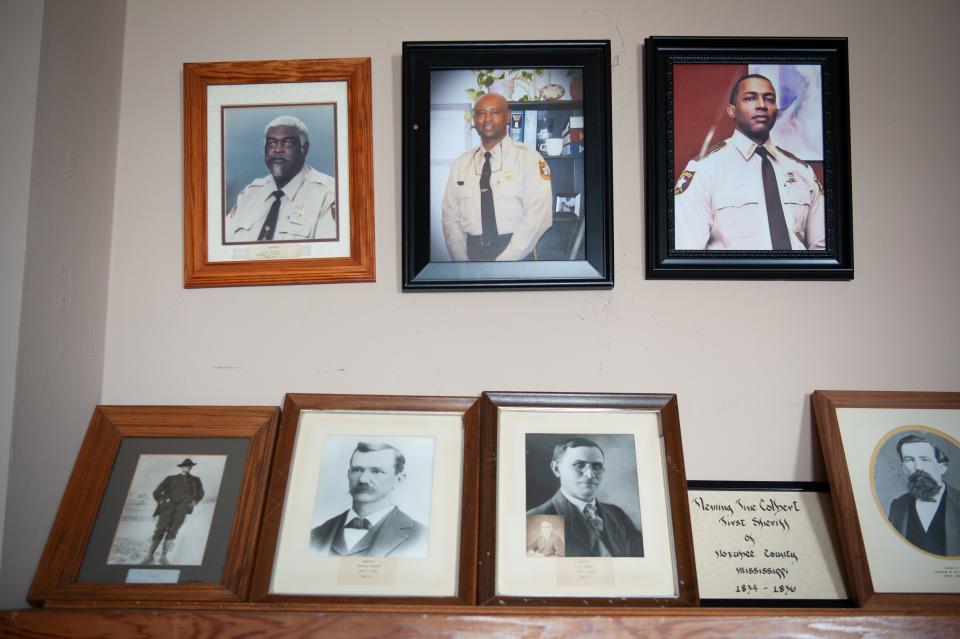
[(763, 544)]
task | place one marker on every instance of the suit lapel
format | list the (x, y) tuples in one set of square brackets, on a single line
[(952, 521), (574, 523), (395, 528), (339, 544), (613, 533)]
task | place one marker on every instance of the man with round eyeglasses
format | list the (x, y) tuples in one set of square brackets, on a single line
[(591, 528)]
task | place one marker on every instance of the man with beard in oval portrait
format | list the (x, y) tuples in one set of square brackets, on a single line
[(928, 515)]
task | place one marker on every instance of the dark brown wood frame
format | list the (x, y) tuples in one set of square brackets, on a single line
[(55, 579), (360, 266), (283, 455), (666, 406), (825, 405)]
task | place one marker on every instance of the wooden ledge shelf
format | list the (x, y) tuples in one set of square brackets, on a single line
[(245, 620)]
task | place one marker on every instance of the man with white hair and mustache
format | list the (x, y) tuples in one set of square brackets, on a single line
[(928, 515), (295, 202)]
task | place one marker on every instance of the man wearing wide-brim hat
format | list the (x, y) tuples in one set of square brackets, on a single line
[(175, 496)]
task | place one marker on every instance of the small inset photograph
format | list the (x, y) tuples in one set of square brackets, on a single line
[(545, 536), (168, 511)]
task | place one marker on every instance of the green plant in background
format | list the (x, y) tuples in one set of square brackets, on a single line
[(516, 85)]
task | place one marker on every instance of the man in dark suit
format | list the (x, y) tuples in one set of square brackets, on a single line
[(176, 496), (591, 528), (547, 544), (373, 526), (928, 516)]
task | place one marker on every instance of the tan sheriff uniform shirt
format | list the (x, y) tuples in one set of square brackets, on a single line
[(307, 208), (520, 181), (719, 201)]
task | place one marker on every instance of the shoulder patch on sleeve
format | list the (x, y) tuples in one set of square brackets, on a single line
[(684, 181), (792, 156), (544, 170)]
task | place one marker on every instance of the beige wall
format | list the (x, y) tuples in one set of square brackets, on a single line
[(742, 356), (65, 275), (19, 68)]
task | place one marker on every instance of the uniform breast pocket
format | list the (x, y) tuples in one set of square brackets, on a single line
[(739, 212), (796, 204), (297, 225), (508, 191)]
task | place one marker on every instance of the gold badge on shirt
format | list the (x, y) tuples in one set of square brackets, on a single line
[(544, 170), (683, 182), (791, 177)]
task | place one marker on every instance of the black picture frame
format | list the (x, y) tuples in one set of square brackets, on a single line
[(588, 242), (662, 55), (774, 487)]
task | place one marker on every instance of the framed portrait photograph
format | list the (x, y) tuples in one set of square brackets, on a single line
[(278, 172), (747, 158), (583, 501), (507, 175), (766, 544), (163, 505), (891, 460), (373, 499)]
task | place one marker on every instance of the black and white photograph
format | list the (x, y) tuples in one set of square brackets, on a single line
[(494, 132), (280, 173), (567, 203), (917, 489), (585, 490), (373, 497), (169, 508), (890, 458), (591, 484), (545, 536)]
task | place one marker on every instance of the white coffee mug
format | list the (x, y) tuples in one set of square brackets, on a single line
[(552, 146)]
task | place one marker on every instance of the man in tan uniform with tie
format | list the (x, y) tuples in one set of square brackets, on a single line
[(497, 202)]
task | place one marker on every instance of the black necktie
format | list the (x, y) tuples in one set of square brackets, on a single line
[(357, 522), (488, 220), (270, 224), (779, 236)]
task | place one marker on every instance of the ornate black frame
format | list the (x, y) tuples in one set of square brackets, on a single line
[(596, 270), (664, 262)]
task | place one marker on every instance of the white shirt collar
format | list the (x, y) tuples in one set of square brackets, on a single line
[(374, 517), (747, 147), (580, 504), (496, 156)]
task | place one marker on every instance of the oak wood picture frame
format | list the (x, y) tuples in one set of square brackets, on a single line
[(200, 270), (55, 581), (825, 405), (666, 407), (295, 404)]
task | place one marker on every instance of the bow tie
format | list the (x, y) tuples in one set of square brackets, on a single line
[(358, 522)]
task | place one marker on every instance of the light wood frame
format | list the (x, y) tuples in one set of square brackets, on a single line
[(825, 405), (674, 474), (294, 403), (360, 265), (56, 577)]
